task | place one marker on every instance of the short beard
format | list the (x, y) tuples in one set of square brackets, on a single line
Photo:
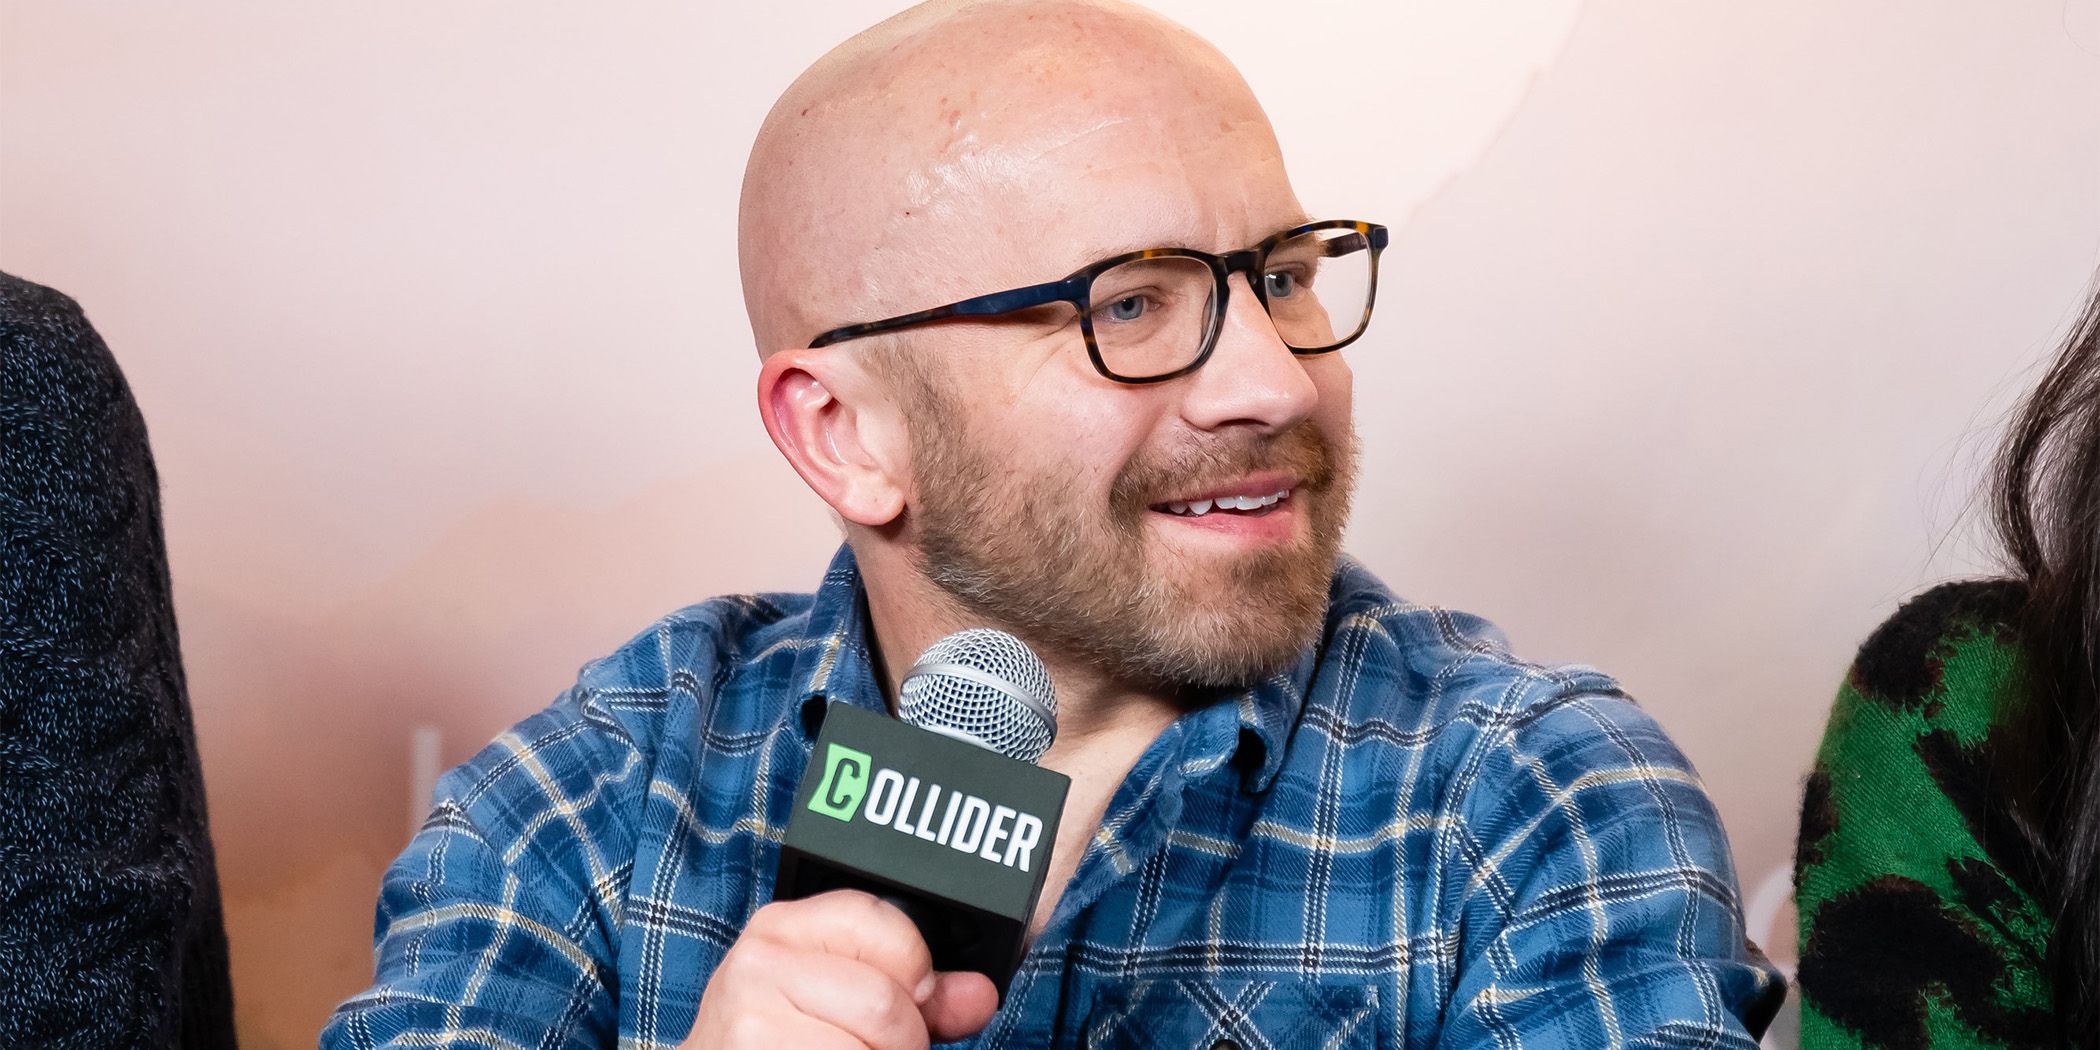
[(1064, 575)]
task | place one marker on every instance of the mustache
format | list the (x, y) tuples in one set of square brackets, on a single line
[(1218, 459)]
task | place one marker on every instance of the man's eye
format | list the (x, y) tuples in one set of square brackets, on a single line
[(1128, 308), (1282, 284)]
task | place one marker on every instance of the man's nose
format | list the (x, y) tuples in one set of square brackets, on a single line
[(1252, 378)]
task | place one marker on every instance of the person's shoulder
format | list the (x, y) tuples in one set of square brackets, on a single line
[(660, 686), (634, 709), (1449, 701), (1907, 820), (29, 307), (1432, 665), (1946, 651), (1907, 754), (692, 652), (72, 433), (1469, 727), (50, 344), (668, 681)]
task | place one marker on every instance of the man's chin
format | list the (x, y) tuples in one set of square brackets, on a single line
[(1246, 627)]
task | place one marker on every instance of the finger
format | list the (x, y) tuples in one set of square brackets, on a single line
[(855, 998), (854, 925), (961, 1005), (797, 1032), (778, 1028)]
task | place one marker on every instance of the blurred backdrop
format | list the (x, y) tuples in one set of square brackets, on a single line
[(1699, 320)]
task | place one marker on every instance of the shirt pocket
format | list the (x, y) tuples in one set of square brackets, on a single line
[(1233, 1015)]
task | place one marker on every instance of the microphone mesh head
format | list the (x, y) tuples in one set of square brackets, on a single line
[(987, 687)]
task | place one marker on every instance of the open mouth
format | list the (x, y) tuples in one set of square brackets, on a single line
[(1251, 506)]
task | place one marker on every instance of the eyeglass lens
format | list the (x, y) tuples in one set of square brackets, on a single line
[(1152, 317)]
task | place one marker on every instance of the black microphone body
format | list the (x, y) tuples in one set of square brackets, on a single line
[(955, 834)]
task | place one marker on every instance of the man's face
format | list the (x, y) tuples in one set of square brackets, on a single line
[(1065, 505)]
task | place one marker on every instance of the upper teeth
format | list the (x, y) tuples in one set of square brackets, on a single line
[(1197, 508)]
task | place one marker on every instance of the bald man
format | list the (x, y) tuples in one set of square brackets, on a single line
[(1043, 322)]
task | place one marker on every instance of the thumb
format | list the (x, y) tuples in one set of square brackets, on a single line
[(961, 1005)]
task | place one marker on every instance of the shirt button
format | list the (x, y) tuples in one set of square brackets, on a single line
[(1226, 1044)]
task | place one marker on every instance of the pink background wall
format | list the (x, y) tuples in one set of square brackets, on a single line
[(1697, 320)]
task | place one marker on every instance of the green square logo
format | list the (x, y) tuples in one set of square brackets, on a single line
[(845, 782)]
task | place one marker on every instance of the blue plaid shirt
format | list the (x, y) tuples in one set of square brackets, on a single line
[(1409, 838)]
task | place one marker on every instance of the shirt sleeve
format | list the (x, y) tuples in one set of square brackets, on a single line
[(1599, 904), (497, 927), (1912, 933)]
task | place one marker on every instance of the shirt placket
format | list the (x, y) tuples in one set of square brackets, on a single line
[(1051, 1001)]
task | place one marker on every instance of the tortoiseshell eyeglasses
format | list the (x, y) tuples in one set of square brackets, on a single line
[(1153, 315)]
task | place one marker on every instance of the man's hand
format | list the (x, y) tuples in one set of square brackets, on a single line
[(838, 971)]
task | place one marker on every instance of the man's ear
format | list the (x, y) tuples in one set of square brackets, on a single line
[(837, 426)]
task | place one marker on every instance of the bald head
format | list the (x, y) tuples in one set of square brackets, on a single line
[(961, 148)]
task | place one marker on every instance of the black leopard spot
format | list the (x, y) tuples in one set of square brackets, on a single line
[(1875, 955), (1900, 663), (1968, 777), (1819, 820)]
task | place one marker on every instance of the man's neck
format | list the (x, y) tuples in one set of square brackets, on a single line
[(1103, 725), (908, 613)]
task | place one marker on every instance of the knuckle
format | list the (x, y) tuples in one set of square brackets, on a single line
[(749, 960), (883, 1011), (854, 902), (769, 920), (872, 914), (871, 919)]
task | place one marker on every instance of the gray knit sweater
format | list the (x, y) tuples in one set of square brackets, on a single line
[(110, 929)]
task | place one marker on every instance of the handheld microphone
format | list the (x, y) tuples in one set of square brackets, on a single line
[(944, 813)]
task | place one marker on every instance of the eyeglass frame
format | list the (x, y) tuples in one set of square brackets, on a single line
[(1076, 288)]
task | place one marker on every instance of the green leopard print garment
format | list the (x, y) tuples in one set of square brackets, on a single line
[(1917, 925)]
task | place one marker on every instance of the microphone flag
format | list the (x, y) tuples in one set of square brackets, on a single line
[(956, 835)]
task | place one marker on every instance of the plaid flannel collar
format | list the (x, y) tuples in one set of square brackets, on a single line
[(837, 665)]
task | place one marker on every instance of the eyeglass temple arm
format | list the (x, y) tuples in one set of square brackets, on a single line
[(991, 305)]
